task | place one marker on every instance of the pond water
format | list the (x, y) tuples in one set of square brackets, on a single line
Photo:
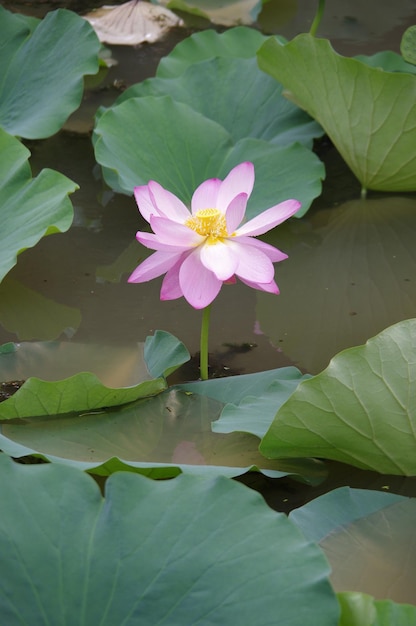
[(350, 271), (351, 267)]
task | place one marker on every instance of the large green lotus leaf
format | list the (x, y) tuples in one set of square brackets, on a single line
[(42, 83), (369, 114), (240, 42), (357, 263), (156, 138), (361, 410), (228, 90), (15, 29), (169, 431), (30, 315), (360, 609), (29, 208), (281, 173), (181, 551)]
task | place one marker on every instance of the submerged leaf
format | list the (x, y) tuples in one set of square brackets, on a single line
[(361, 410), (369, 114), (132, 23)]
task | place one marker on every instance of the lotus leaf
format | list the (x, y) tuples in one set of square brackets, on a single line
[(360, 410), (29, 209), (368, 113), (181, 551), (42, 70), (158, 138)]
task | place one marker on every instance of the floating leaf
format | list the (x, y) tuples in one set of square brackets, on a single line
[(369, 114), (182, 551), (163, 354), (228, 90), (69, 388), (240, 42), (359, 609), (43, 71), (29, 208), (388, 61), (156, 138), (161, 436), (132, 23), (81, 392), (360, 410)]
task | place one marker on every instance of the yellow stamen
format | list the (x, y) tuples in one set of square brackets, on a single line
[(209, 223)]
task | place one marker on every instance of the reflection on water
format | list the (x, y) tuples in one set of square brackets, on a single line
[(350, 271)]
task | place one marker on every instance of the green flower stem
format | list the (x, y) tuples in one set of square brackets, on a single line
[(204, 343), (317, 18)]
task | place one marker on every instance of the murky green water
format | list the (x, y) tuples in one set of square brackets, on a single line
[(351, 268)]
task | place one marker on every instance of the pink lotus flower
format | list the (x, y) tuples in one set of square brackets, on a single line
[(202, 249)]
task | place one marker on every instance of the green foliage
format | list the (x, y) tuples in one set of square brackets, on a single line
[(29, 208), (195, 121), (360, 410), (240, 43), (369, 114), (183, 551), (228, 90), (156, 138), (42, 67), (81, 392), (359, 609), (408, 45), (155, 435), (163, 354)]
